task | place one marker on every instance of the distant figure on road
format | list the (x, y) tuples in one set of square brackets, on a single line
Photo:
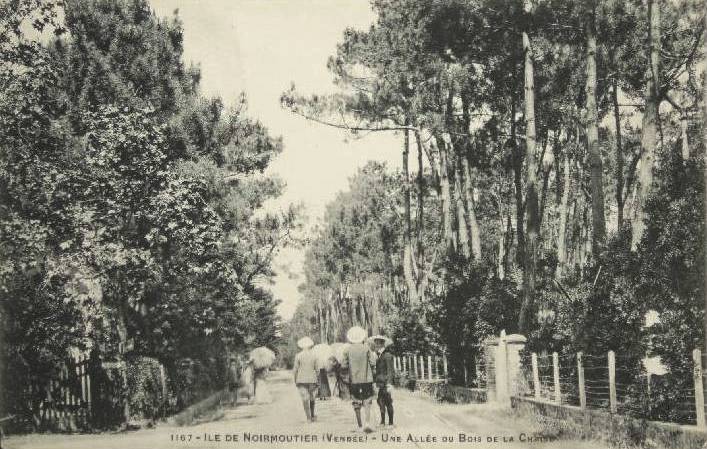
[(261, 392), (247, 382), (324, 390), (385, 372), (305, 374), (341, 382), (361, 363), (234, 378)]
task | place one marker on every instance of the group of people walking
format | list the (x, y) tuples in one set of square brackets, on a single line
[(365, 363)]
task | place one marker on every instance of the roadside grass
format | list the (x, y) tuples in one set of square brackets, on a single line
[(206, 410)]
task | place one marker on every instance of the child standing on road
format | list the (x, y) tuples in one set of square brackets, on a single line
[(385, 372)]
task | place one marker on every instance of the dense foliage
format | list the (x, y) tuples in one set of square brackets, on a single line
[(557, 189), (130, 205)]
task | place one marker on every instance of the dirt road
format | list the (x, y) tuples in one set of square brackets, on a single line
[(421, 423)]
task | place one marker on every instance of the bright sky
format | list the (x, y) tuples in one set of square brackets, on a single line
[(260, 47)]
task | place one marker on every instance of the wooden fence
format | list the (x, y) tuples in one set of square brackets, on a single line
[(82, 394), (422, 367), (612, 382), (600, 382)]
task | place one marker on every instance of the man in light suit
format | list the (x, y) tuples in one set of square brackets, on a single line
[(305, 374)]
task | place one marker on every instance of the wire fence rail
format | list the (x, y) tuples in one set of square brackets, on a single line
[(618, 384)]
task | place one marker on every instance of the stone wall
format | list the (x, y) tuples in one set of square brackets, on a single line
[(565, 420), (442, 391)]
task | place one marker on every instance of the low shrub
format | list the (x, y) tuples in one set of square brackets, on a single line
[(146, 389)]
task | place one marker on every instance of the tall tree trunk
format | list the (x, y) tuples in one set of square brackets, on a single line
[(506, 231), (517, 161), (704, 116), (445, 197), (572, 237), (322, 325), (547, 162), (593, 149), (462, 226), (448, 166), (533, 221), (327, 318), (588, 247), (649, 125), (509, 241), (684, 143), (421, 192), (468, 186), (445, 152), (564, 210), (581, 242), (375, 314), (619, 155), (408, 261), (472, 221)]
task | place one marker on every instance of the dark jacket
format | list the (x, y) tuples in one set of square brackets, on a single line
[(385, 368), (234, 373)]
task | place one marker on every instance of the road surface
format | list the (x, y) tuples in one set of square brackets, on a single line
[(420, 423)]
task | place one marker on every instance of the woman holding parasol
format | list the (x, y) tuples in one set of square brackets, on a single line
[(323, 353), (261, 359)]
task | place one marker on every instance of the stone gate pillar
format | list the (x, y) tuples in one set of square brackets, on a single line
[(503, 367)]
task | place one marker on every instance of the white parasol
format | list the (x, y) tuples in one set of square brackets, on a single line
[(323, 352), (262, 357), (338, 349)]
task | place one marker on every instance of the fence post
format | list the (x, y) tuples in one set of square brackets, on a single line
[(429, 367), (699, 390), (612, 381), (405, 365), (444, 361), (536, 376), (414, 364), (580, 379), (556, 377), (422, 367)]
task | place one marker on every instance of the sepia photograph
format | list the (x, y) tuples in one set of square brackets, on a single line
[(353, 224)]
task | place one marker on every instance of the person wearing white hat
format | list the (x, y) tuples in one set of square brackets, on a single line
[(305, 374), (361, 363)]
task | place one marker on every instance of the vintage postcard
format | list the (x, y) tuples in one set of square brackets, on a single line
[(352, 223)]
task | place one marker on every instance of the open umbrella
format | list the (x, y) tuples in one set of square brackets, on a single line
[(262, 357), (338, 350), (323, 352)]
